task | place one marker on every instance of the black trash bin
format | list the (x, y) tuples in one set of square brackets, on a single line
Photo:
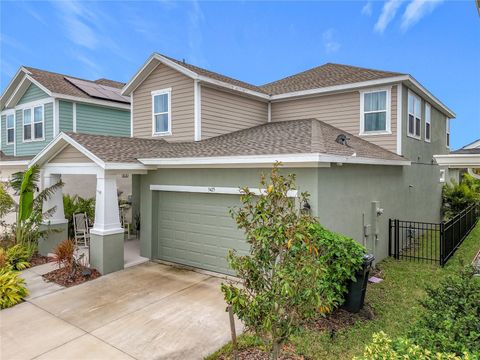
[(357, 289)]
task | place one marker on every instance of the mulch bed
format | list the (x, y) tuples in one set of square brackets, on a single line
[(63, 277), (38, 259), (341, 319), (253, 353)]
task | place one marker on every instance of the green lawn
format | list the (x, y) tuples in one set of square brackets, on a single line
[(395, 303)]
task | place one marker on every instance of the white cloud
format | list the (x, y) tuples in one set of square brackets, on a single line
[(367, 9), (416, 10), (78, 21), (330, 44), (389, 11), (194, 32)]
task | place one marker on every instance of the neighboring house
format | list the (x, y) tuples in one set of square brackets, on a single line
[(360, 141), (37, 105), (465, 159)]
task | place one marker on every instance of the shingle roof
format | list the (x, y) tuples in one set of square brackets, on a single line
[(287, 137), (325, 75), (466, 151), (216, 76), (58, 83)]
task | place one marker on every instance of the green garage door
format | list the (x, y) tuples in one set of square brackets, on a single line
[(196, 229)]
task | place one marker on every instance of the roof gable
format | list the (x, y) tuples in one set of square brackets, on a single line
[(324, 76), (32, 93)]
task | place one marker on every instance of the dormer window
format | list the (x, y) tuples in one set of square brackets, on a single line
[(161, 111), (375, 112)]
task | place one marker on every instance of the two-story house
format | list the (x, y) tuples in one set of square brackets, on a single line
[(37, 105), (360, 141)]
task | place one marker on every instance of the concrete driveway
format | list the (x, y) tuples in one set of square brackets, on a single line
[(149, 311)]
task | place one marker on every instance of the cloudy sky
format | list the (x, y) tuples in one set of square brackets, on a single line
[(438, 42)]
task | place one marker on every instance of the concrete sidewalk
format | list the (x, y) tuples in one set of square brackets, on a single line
[(150, 311)]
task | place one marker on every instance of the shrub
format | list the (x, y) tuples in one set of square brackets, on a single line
[(76, 204), (384, 348), (451, 322), (19, 255), (284, 279), (341, 257), (63, 254), (12, 288), (456, 197)]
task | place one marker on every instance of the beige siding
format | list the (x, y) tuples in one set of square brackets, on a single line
[(70, 155), (224, 112), (182, 104), (339, 110)]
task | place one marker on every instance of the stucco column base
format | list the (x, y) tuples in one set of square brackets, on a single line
[(56, 233), (106, 252)]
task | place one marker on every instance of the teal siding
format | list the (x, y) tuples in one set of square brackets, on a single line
[(103, 121), (33, 93), (33, 147), (65, 112), (7, 149)]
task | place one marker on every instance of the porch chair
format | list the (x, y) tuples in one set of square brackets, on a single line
[(81, 230)]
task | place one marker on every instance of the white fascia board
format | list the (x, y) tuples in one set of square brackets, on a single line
[(432, 98), (236, 88), (259, 160), (338, 88), (14, 163), (52, 149), (43, 88), (458, 160), (126, 166), (214, 190), (99, 102), (20, 72)]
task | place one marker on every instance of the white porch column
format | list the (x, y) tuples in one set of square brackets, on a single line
[(56, 200), (107, 216)]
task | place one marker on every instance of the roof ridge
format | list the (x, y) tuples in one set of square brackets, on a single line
[(365, 68), (66, 75)]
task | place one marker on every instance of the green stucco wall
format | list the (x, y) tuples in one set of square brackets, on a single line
[(101, 120), (65, 113), (341, 196), (33, 93)]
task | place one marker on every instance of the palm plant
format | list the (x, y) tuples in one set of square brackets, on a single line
[(29, 207)]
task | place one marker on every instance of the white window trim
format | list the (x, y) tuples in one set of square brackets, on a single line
[(443, 175), (413, 136), (32, 123), (428, 120), (161, 92), (388, 125), (8, 128), (447, 133)]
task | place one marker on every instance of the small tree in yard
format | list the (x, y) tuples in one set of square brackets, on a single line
[(280, 278)]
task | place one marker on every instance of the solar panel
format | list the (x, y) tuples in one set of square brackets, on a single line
[(99, 91)]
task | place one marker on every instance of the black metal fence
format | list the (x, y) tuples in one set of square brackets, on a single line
[(430, 242)]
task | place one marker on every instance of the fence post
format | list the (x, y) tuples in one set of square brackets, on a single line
[(397, 237), (442, 243), (389, 237)]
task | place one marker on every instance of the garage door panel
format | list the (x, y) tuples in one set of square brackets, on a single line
[(197, 229)]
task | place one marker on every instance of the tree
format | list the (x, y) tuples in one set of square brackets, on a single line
[(280, 278), (29, 207)]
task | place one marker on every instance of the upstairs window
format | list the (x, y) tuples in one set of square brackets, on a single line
[(33, 123), (10, 129), (428, 126), (414, 115), (161, 109), (448, 132), (374, 112)]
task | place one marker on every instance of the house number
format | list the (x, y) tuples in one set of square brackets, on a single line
[(211, 189)]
